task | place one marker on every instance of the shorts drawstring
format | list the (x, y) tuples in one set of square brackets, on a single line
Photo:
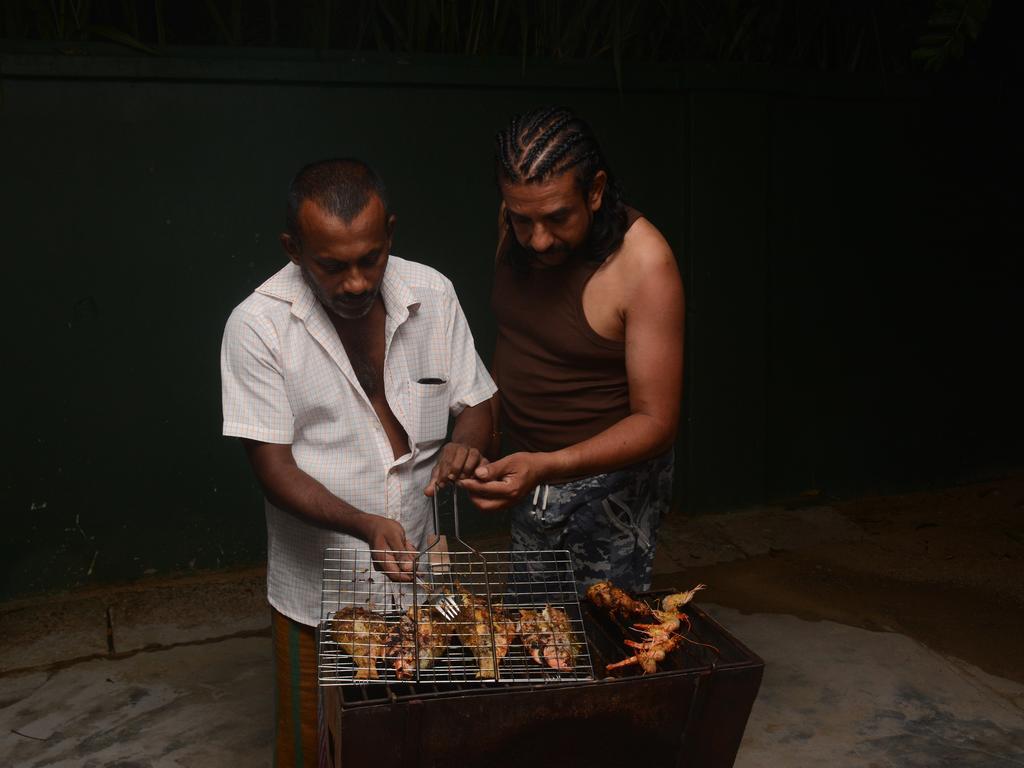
[(544, 501)]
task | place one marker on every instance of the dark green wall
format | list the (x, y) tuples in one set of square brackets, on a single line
[(893, 292), (820, 229), (854, 276), (142, 211)]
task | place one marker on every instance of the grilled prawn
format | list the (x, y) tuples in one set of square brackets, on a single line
[(659, 643), (661, 636), (676, 601)]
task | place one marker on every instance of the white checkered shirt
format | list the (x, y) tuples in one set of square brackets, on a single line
[(286, 379)]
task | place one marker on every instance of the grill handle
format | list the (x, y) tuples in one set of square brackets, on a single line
[(455, 514), (476, 554)]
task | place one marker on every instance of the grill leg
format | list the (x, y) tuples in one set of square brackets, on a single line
[(333, 725)]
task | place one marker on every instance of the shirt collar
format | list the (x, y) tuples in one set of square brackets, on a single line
[(288, 285)]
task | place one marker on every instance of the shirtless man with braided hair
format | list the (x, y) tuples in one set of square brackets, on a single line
[(589, 356)]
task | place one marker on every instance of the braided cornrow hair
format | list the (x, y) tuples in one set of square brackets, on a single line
[(545, 143)]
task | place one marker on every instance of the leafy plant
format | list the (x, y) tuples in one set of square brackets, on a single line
[(951, 24), (865, 35)]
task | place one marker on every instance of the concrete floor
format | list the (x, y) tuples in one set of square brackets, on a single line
[(177, 672)]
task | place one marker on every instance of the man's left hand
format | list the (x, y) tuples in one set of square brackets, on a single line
[(457, 461), (503, 482)]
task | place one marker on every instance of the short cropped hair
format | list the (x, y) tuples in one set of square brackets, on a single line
[(340, 186)]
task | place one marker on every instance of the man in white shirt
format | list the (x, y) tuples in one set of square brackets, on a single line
[(339, 374)]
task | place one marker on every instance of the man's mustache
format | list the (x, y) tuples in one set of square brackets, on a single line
[(353, 301), (550, 252)]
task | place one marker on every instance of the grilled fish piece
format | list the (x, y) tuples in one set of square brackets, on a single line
[(548, 637), (477, 624), (618, 603), (435, 635), (360, 633)]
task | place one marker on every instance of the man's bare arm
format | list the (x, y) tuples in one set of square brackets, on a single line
[(471, 437), (654, 367), (289, 488)]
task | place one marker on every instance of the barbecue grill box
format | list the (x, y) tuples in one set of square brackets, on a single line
[(692, 712)]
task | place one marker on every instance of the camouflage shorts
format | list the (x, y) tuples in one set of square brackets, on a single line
[(607, 522)]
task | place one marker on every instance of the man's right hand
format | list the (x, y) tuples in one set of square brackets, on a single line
[(380, 533), (290, 488)]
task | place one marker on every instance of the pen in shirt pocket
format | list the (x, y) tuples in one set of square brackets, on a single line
[(431, 381)]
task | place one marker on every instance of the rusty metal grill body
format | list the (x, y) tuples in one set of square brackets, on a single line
[(692, 712), (503, 584)]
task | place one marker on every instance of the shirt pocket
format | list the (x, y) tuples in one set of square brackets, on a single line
[(429, 412)]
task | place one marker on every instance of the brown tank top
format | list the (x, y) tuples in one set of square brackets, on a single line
[(559, 381)]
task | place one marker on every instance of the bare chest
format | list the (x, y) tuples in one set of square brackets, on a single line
[(364, 347)]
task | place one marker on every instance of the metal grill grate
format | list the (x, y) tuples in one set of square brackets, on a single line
[(363, 611), (519, 617)]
